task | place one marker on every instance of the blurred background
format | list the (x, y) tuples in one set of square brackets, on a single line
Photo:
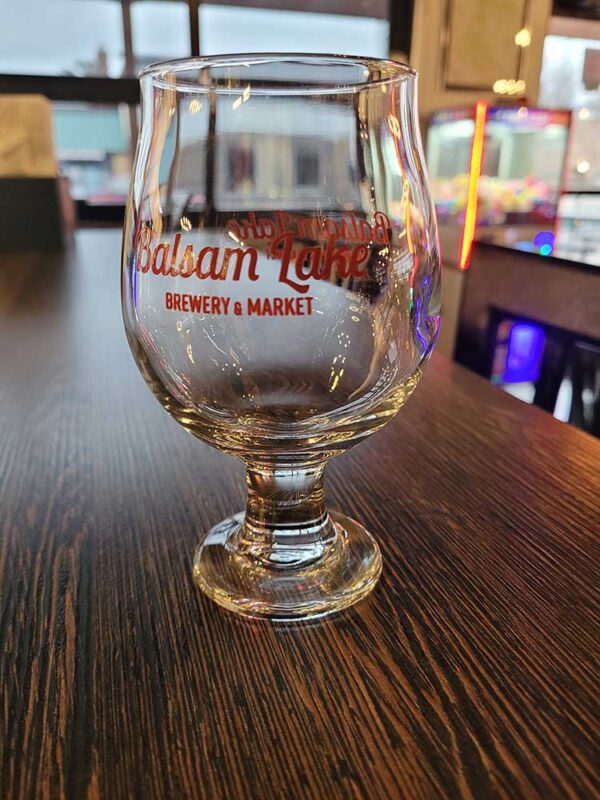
[(510, 112)]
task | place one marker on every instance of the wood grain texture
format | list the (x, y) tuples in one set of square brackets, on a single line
[(469, 672)]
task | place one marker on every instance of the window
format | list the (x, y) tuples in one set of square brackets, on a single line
[(233, 29), (307, 168), (91, 38), (111, 38), (93, 148), (241, 168), (95, 122), (65, 37), (570, 67), (160, 31)]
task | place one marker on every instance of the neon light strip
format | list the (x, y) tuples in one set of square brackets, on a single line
[(481, 110)]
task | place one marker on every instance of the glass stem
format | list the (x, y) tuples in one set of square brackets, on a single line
[(287, 525)]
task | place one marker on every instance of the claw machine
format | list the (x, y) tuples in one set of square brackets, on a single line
[(497, 172)]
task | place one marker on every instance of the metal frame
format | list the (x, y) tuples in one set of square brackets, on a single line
[(74, 89)]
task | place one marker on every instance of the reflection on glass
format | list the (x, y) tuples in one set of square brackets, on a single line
[(256, 153)]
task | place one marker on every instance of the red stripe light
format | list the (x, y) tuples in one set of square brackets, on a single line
[(481, 110)]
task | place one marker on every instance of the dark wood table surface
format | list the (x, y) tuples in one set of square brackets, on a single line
[(470, 672)]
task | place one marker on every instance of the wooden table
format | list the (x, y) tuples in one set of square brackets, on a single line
[(468, 673)]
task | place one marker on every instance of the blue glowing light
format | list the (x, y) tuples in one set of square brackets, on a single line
[(418, 326), (525, 245), (134, 280), (545, 249), (544, 238), (524, 353)]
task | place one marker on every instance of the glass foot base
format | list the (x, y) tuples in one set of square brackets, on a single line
[(345, 572)]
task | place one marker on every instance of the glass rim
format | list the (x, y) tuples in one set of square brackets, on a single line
[(164, 74)]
